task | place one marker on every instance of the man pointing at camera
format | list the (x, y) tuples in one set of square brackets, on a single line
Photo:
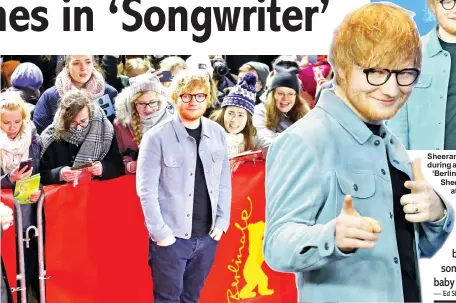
[(346, 209)]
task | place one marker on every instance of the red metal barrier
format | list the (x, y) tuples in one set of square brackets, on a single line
[(9, 244), (97, 249)]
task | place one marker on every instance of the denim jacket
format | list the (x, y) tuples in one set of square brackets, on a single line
[(309, 169), (165, 177), (420, 124)]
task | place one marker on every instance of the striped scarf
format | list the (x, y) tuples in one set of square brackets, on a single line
[(95, 139)]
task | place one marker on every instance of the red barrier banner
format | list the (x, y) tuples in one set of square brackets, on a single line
[(96, 245)]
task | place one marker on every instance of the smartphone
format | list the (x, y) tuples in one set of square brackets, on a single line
[(25, 163), (81, 166), (166, 76)]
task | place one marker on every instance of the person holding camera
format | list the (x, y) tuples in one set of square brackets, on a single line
[(139, 107), (19, 143), (221, 74), (79, 73), (80, 135)]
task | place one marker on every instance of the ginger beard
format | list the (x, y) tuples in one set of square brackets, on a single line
[(375, 103), (446, 19), (193, 110)]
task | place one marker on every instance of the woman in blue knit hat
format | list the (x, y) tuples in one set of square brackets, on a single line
[(235, 116), (27, 80)]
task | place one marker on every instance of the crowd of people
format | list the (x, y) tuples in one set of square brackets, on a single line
[(345, 205), (89, 114)]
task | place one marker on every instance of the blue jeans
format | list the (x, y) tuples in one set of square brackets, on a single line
[(179, 270)]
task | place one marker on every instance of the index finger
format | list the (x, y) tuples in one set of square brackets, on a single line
[(23, 169)]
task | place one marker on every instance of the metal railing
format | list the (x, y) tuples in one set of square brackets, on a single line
[(39, 234)]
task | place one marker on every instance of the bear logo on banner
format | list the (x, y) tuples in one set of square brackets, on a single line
[(253, 274)]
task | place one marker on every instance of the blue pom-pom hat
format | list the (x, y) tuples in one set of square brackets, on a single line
[(243, 94)]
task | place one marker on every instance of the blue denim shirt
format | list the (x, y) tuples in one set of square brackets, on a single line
[(309, 169), (420, 124), (165, 177)]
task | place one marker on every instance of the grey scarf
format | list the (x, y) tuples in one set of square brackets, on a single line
[(149, 121), (95, 139)]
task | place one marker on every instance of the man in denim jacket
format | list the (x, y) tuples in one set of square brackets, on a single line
[(428, 120), (346, 210), (184, 183)]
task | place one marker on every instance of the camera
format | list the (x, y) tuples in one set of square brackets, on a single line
[(220, 68)]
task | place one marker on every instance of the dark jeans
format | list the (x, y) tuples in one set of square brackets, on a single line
[(179, 270)]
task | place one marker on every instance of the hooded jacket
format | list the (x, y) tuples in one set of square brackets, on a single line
[(122, 125), (263, 72)]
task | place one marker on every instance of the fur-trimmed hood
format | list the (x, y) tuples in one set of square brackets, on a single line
[(143, 83)]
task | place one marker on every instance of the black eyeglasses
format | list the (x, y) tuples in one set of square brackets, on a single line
[(404, 77), (186, 98), (448, 4), (83, 123), (151, 104)]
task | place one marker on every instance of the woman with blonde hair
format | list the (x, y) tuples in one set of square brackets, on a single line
[(173, 64), (79, 73), (282, 108), (139, 107), (136, 66), (20, 142), (80, 134)]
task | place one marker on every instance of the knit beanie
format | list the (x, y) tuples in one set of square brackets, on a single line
[(27, 75), (243, 94), (144, 83), (200, 62), (285, 77), (139, 84), (261, 69)]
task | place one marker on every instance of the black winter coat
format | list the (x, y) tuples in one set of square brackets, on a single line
[(61, 153)]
